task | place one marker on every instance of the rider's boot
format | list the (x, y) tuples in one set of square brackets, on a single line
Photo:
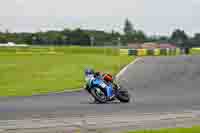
[(111, 98)]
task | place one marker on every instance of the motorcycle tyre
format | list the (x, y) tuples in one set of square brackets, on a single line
[(97, 98), (123, 96)]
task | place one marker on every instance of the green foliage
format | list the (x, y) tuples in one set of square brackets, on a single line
[(195, 41), (128, 28), (64, 37), (82, 37), (179, 35), (132, 35), (180, 38), (140, 36)]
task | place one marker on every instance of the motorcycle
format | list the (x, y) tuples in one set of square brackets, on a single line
[(101, 86)]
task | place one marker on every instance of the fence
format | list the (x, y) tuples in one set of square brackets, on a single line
[(161, 52)]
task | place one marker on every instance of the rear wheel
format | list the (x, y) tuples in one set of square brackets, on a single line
[(99, 95), (123, 96)]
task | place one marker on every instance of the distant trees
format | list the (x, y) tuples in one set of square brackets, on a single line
[(140, 36), (195, 41), (128, 28), (131, 34), (178, 35), (181, 39), (99, 38), (3, 38), (65, 37)]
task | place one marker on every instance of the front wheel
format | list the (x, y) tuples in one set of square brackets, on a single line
[(98, 95)]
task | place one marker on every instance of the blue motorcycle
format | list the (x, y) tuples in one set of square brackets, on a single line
[(104, 88)]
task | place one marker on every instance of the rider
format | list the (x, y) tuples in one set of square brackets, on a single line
[(91, 75)]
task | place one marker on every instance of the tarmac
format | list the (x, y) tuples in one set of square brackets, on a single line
[(165, 93)]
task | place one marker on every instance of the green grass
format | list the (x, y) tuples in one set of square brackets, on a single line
[(27, 74), (195, 129), (60, 49), (195, 51)]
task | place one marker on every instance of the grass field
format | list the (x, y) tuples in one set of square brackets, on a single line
[(195, 51), (195, 129), (25, 74)]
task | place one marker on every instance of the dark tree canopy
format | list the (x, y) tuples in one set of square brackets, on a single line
[(132, 35), (180, 38), (179, 35), (128, 28), (99, 38)]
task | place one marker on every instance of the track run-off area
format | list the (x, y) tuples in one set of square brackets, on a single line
[(165, 91)]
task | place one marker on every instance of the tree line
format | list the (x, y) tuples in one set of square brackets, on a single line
[(98, 38)]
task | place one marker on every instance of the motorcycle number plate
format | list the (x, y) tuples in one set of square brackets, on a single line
[(103, 85)]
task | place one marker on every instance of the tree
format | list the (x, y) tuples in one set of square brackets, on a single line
[(128, 28), (179, 37), (197, 36), (3, 38), (79, 37), (129, 32), (133, 35), (195, 41), (140, 37)]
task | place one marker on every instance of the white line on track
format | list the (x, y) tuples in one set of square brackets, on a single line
[(126, 67)]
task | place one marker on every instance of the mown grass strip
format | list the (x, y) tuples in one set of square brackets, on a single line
[(195, 129), (195, 51), (64, 49)]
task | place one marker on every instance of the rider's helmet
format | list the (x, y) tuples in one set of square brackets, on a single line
[(89, 71)]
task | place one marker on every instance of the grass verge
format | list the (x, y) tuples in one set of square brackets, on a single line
[(195, 129), (195, 51), (28, 74)]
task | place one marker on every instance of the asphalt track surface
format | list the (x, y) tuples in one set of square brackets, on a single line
[(158, 85)]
